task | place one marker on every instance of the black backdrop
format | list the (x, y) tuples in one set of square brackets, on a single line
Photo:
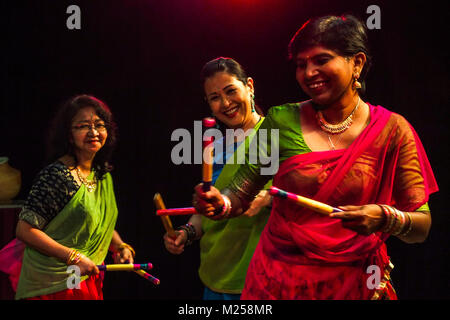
[(143, 58)]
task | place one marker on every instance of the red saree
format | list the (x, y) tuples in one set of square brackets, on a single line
[(305, 255)]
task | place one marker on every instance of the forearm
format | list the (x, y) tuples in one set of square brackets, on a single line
[(41, 242), (196, 221), (410, 227), (421, 224), (116, 241), (237, 205)]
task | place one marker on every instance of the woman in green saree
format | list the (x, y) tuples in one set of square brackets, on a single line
[(340, 150), (70, 213), (226, 246)]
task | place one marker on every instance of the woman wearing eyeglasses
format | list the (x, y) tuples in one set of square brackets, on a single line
[(70, 213)]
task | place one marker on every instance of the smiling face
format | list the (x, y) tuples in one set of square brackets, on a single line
[(88, 132), (324, 75), (230, 99)]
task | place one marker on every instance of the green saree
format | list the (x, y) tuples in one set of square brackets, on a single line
[(227, 246)]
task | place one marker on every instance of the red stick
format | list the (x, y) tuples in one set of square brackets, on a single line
[(176, 211), (208, 150)]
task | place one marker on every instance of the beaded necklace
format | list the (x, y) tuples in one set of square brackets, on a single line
[(339, 127), (90, 185)]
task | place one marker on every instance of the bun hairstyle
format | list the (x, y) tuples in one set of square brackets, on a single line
[(346, 35), (223, 64)]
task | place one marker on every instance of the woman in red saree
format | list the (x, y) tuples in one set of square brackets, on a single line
[(340, 150)]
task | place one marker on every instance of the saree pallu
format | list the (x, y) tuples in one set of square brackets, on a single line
[(306, 255), (227, 245)]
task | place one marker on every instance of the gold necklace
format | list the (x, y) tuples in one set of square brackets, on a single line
[(90, 185), (336, 128)]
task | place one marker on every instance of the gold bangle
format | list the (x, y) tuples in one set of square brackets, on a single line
[(126, 245), (402, 223), (74, 257), (392, 218), (410, 225)]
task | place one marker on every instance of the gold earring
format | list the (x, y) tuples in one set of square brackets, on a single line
[(356, 83)]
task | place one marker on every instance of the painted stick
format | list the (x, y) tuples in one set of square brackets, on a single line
[(125, 267), (208, 151), (159, 203), (176, 211), (148, 276), (303, 201)]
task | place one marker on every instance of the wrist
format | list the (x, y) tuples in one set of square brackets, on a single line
[(74, 257), (397, 223), (123, 246), (225, 210), (191, 233)]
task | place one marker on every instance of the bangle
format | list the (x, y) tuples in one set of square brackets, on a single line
[(390, 218), (395, 220), (124, 245), (225, 210), (190, 232), (74, 257), (402, 223), (410, 225)]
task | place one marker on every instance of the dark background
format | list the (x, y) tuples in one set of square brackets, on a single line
[(143, 58)]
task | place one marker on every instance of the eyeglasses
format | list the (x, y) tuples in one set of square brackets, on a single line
[(84, 128)]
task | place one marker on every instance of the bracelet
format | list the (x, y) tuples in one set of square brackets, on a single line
[(410, 225), (402, 224), (190, 232), (390, 218), (124, 245), (74, 257), (225, 210), (395, 221)]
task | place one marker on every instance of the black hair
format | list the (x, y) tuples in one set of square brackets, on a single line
[(346, 35), (228, 65), (59, 140)]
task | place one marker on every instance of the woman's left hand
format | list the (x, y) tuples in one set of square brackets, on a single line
[(365, 219), (123, 256)]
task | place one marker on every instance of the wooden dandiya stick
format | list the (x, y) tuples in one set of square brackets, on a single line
[(176, 211), (208, 154), (159, 203), (311, 204), (125, 267), (148, 276)]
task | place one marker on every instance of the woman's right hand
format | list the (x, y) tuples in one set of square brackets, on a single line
[(87, 267), (206, 203), (175, 246)]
